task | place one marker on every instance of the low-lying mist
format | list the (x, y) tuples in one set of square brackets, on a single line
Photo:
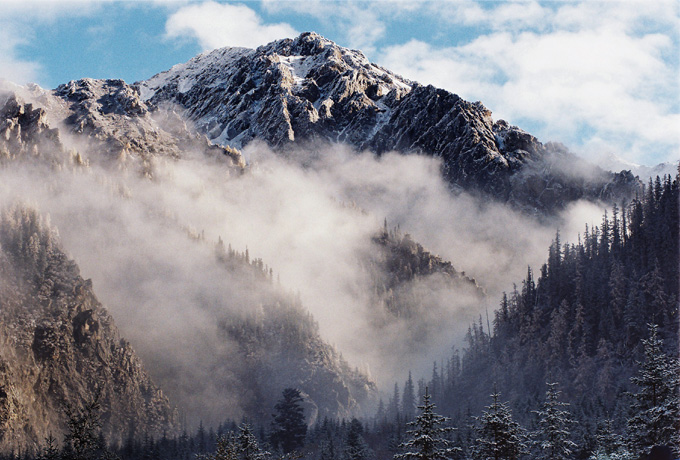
[(148, 246)]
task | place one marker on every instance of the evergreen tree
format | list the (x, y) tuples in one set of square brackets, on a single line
[(553, 436), (355, 446), (288, 427), (51, 450), (498, 436), (408, 399), (655, 409), (226, 449), (609, 445), (427, 439), (327, 450), (393, 404), (81, 441), (248, 447)]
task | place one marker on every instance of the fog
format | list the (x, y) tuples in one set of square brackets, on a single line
[(148, 245)]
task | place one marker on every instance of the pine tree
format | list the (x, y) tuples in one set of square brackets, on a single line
[(393, 404), (609, 445), (408, 399), (655, 408), (355, 446), (50, 451), (288, 427), (553, 436), (427, 440), (327, 450), (81, 441), (226, 449), (248, 447), (498, 436)]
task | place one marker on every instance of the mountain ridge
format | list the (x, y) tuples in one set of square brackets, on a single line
[(310, 89)]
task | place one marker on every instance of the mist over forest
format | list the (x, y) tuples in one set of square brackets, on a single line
[(372, 244)]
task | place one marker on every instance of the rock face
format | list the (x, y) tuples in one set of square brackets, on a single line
[(309, 88), (25, 131), (105, 122), (59, 346)]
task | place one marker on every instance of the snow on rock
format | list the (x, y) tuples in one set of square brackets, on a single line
[(309, 88)]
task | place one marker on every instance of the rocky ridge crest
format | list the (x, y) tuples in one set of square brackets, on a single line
[(310, 89)]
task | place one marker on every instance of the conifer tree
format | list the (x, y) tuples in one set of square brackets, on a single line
[(226, 449), (408, 399), (327, 450), (50, 451), (81, 441), (427, 440), (393, 404), (553, 436), (609, 445), (498, 435), (655, 408), (288, 427), (355, 446), (248, 447)]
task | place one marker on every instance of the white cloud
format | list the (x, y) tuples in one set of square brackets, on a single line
[(357, 24), (12, 67), (18, 22), (582, 74), (216, 25)]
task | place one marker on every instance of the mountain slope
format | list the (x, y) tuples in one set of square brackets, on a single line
[(581, 322), (310, 89), (59, 346), (102, 122)]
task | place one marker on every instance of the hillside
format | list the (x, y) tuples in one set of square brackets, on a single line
[(581, 321), (59, 346)]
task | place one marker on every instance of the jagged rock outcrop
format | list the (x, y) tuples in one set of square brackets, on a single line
[(59, 346), (25, 132), (100, 121), (309, 88)]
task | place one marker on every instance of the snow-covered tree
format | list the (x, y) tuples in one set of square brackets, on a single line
[(248, 447), (609, 445), (553, 436), (498, 435), (225, 449), (427, 440), (655, 409)]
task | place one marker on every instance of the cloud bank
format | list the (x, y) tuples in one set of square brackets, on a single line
[(599, 77), (215, 25)]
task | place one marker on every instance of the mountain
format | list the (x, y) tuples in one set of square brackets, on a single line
[(612, 162), (59, 347), (149, 156), (102, 121), (294, 91)]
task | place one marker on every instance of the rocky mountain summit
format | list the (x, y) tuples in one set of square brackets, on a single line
[(305, 89), (59, 347), (25, 131)]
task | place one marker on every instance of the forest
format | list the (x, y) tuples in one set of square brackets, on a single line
[(578, 362)]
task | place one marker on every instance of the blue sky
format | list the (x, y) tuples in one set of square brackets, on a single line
[(601, 77)]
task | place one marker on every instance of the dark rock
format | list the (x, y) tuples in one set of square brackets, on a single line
[(309, 88)]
